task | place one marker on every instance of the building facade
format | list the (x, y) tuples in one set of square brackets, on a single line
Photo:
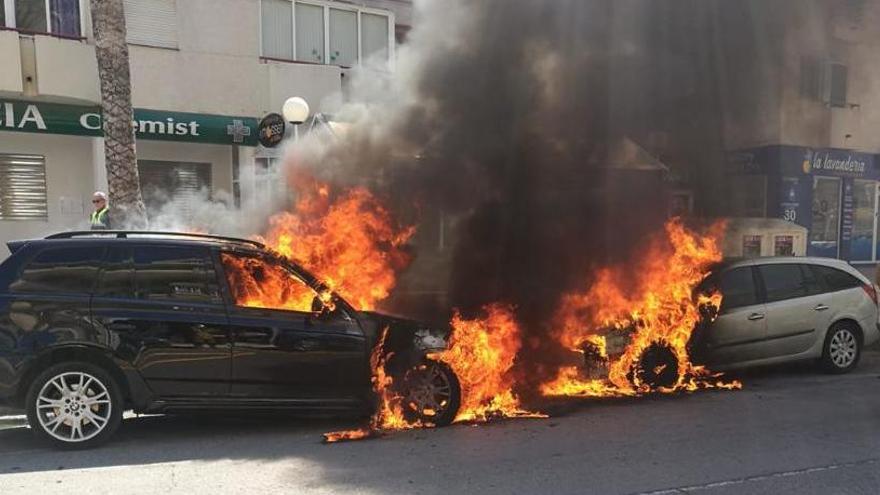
[(800, 123), (204, 72)]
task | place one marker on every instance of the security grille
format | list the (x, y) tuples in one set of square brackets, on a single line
[(23, 188), (177, 185)]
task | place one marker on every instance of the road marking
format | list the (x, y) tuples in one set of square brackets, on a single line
[(761, 477)]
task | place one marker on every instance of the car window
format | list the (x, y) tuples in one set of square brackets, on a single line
[(833, 279), (812, 283), (175, 274), (783, 281), (737, 288), (67, 270), (259, 283), (117, 274)]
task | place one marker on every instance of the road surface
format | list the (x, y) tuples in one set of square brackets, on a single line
[(790, 430)]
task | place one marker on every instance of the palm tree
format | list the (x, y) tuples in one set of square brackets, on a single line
[(126, 201)]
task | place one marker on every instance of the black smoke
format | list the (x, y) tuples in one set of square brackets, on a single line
[(522, 121)]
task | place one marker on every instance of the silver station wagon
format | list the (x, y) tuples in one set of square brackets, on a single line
[(783, 309)]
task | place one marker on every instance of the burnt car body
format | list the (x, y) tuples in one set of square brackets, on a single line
[(91, 325)]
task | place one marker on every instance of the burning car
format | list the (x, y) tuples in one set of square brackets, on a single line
[(164, 322)]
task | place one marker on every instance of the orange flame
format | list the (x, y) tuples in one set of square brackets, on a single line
[(389, 412), (659, 308), (482, 354), (351, 242)]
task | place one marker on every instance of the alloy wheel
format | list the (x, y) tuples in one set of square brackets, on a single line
[(429, 390), (843, 348), (74, 407)]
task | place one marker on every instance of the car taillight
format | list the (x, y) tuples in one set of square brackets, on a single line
[(871, 291)]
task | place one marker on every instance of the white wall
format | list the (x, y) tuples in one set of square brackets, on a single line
[(10, 54), (69, 175)]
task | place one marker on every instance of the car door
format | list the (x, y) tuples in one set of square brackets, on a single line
[(736, 333), (796, 308), (281, 348), (161, 306)]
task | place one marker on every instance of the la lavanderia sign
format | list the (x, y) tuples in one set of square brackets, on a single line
[(54, 118)]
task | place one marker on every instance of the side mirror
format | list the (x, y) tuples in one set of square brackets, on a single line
[(318, 305)]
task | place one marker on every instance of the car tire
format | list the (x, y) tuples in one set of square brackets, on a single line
[(431, 382), (656, 368), (842, 349), (74, 405)]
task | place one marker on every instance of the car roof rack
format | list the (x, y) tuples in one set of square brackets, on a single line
[(123, 234)]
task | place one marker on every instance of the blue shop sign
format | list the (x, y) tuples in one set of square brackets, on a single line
[(794, 173)]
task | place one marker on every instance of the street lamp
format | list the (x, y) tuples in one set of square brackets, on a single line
[(296, 111)]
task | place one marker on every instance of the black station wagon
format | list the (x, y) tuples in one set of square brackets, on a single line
[(95, 324)]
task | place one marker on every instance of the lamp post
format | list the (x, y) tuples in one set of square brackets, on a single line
[(296, 111)]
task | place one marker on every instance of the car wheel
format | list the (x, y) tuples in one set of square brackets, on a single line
[(74, 405), (657, 367), (431, 393), (843, 348)]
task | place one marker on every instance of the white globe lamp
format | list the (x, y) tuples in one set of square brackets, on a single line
[(296, 110)]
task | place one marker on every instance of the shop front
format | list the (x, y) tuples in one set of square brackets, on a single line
[(833, 193), (52, 159)]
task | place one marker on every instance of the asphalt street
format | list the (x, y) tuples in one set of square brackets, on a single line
[(790, 430)]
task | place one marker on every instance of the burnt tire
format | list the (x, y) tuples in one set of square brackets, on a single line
[(74, 405), (431, 393), (842, 348), (657, 367)]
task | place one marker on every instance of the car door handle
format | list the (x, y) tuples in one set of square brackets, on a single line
[(820, 307), (756, 316)]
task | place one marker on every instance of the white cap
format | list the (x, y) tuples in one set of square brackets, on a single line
[(100, 194)]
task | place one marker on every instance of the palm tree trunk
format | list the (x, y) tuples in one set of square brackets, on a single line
[(126, 202)]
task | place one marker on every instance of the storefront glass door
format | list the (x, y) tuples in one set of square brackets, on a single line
[(864, 220), (826, 217)]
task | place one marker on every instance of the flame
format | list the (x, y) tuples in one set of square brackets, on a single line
[(349, 241), (658, 309), (482, 354), (389, 412), (258, 284)]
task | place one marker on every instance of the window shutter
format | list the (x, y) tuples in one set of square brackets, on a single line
[(277, 23), (23, 188), (837, 90), (309, 33), (151, 22)]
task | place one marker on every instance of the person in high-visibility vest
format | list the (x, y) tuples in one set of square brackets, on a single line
[(100, 219)]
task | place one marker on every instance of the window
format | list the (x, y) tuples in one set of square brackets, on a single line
[(64, 270), (837, 85), (783, 282), (738, 288), (343, 37), (748, 195), (63, 17), (258, 283), (783, 245), (374, 36), (175, 274), (864, 194), (833, 279), (23, 188), (277, 25), (151, 22), (309, 33), (117, 274), (812, 283), (811, 78), (324, 32), (826, 216), (175, 188), (751, 246)]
